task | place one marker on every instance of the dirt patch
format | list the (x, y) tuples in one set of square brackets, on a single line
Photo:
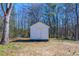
[(50, 48)]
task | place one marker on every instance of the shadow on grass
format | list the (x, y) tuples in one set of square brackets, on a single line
[(30, 41)]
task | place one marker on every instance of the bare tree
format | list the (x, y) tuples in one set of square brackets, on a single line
[(6, 12), (77, 23)]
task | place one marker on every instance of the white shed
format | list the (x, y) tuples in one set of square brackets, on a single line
[(39, 31)]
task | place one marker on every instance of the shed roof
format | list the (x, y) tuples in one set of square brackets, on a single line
[(38, 23)]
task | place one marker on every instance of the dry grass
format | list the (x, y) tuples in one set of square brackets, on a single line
[(53, 47)]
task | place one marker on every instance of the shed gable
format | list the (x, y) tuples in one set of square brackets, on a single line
[(40, 25)]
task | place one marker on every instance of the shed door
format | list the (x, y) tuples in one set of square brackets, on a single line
[(37, 34), (44, 34)]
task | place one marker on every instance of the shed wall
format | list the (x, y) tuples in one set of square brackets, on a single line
[(39, 32)]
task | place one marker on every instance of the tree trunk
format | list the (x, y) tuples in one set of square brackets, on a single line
[(76, 26), (5, 35), (77, 33), (7, 12)]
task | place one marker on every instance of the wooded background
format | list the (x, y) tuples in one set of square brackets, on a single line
[(62, 18)]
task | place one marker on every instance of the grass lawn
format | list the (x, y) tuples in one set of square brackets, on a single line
[(52, 47)]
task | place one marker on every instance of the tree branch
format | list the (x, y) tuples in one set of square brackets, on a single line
[(9, 7), (3, 9)]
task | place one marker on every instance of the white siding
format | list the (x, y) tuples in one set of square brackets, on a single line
[(39, 31), (44, 34)]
